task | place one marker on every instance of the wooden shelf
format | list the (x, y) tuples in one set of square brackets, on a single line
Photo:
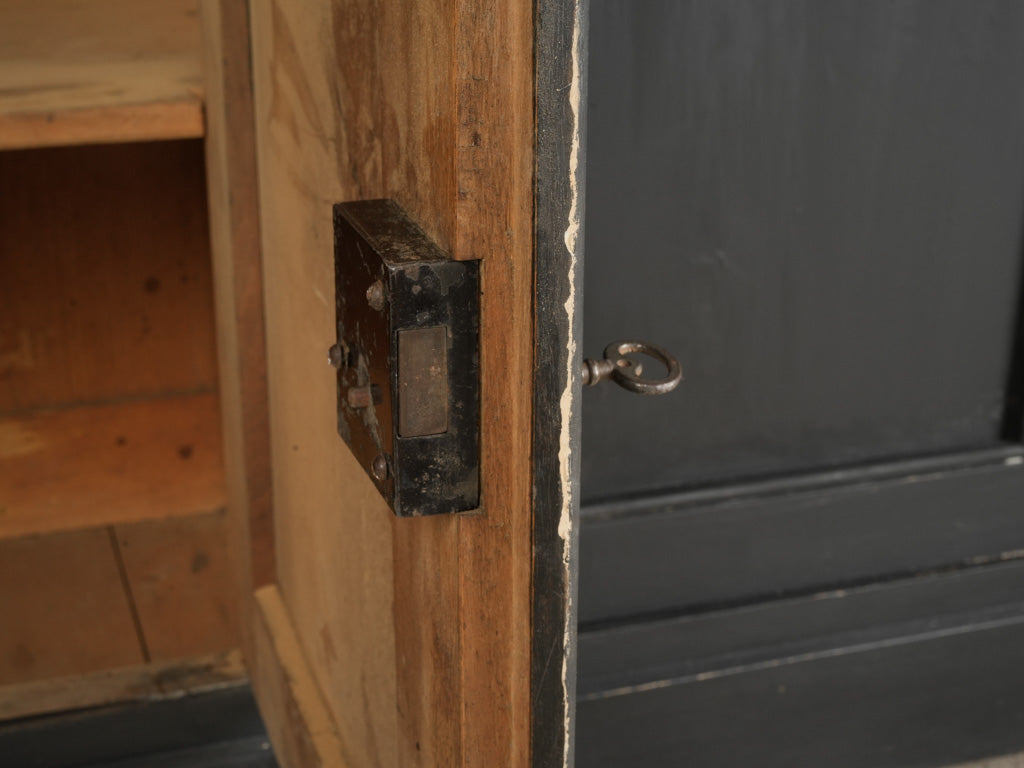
[(90, 601), (119, 685), (78, 468), (98, 71)]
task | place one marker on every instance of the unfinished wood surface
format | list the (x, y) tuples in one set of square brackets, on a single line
[(494, 205), (123, 684), (89, 71), (179, 578), (85, 467), (416, 125), (299, 724), (330, 525), (421, 645), (238, 285), (63, 608), (105, 283)]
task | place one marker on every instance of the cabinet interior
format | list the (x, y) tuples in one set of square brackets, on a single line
[(115, 579)]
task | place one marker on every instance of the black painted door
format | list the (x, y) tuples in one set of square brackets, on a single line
[(810, 553)]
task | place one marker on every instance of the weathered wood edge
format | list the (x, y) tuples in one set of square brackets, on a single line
[(144, 682), (297, 719), (151, 121), (560, 78), (232, 189)]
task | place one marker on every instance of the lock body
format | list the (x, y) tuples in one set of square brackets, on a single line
[(408, 360)]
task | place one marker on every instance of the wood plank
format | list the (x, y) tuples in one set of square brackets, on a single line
[(494, 158), (123, 684), (299, 723), (82, 71), (414, 63), (181, 583), (331, 526), (63, 609), (407, 100), (238, 285), (86, 467), (105, 285)]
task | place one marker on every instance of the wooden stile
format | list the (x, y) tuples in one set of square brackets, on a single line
[(362, 100)]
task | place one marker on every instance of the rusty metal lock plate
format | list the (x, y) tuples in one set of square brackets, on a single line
[(408, 359)]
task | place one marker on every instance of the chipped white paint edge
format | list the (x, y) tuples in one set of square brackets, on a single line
[(565, 523)]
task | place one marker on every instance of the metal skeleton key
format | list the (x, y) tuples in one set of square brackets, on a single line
[(627, 373)]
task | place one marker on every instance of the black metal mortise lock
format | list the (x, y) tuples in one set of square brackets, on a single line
[(408, 359)]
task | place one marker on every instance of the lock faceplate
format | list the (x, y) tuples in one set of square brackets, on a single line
[(408, 360)]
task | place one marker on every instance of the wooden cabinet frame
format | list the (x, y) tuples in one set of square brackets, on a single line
[(371, 640)]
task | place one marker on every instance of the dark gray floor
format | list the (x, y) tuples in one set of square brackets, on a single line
[(216, 729)]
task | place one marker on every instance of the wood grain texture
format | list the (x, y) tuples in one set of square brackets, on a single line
[(48, 629), (297, 720), (416, 126), (238, 285), (494, 207), (87, 71), (429, 103), (331, 527), (85, 467), (181, 583), (105, 287), (122, 684)]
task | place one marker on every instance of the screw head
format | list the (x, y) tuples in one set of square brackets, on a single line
[(375, 295), (359, 397), (334, 356), (380, 467)]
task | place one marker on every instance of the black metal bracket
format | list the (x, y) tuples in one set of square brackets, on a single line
[(408, 359)]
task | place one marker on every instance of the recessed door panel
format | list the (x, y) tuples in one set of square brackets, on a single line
[(817, 206)]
